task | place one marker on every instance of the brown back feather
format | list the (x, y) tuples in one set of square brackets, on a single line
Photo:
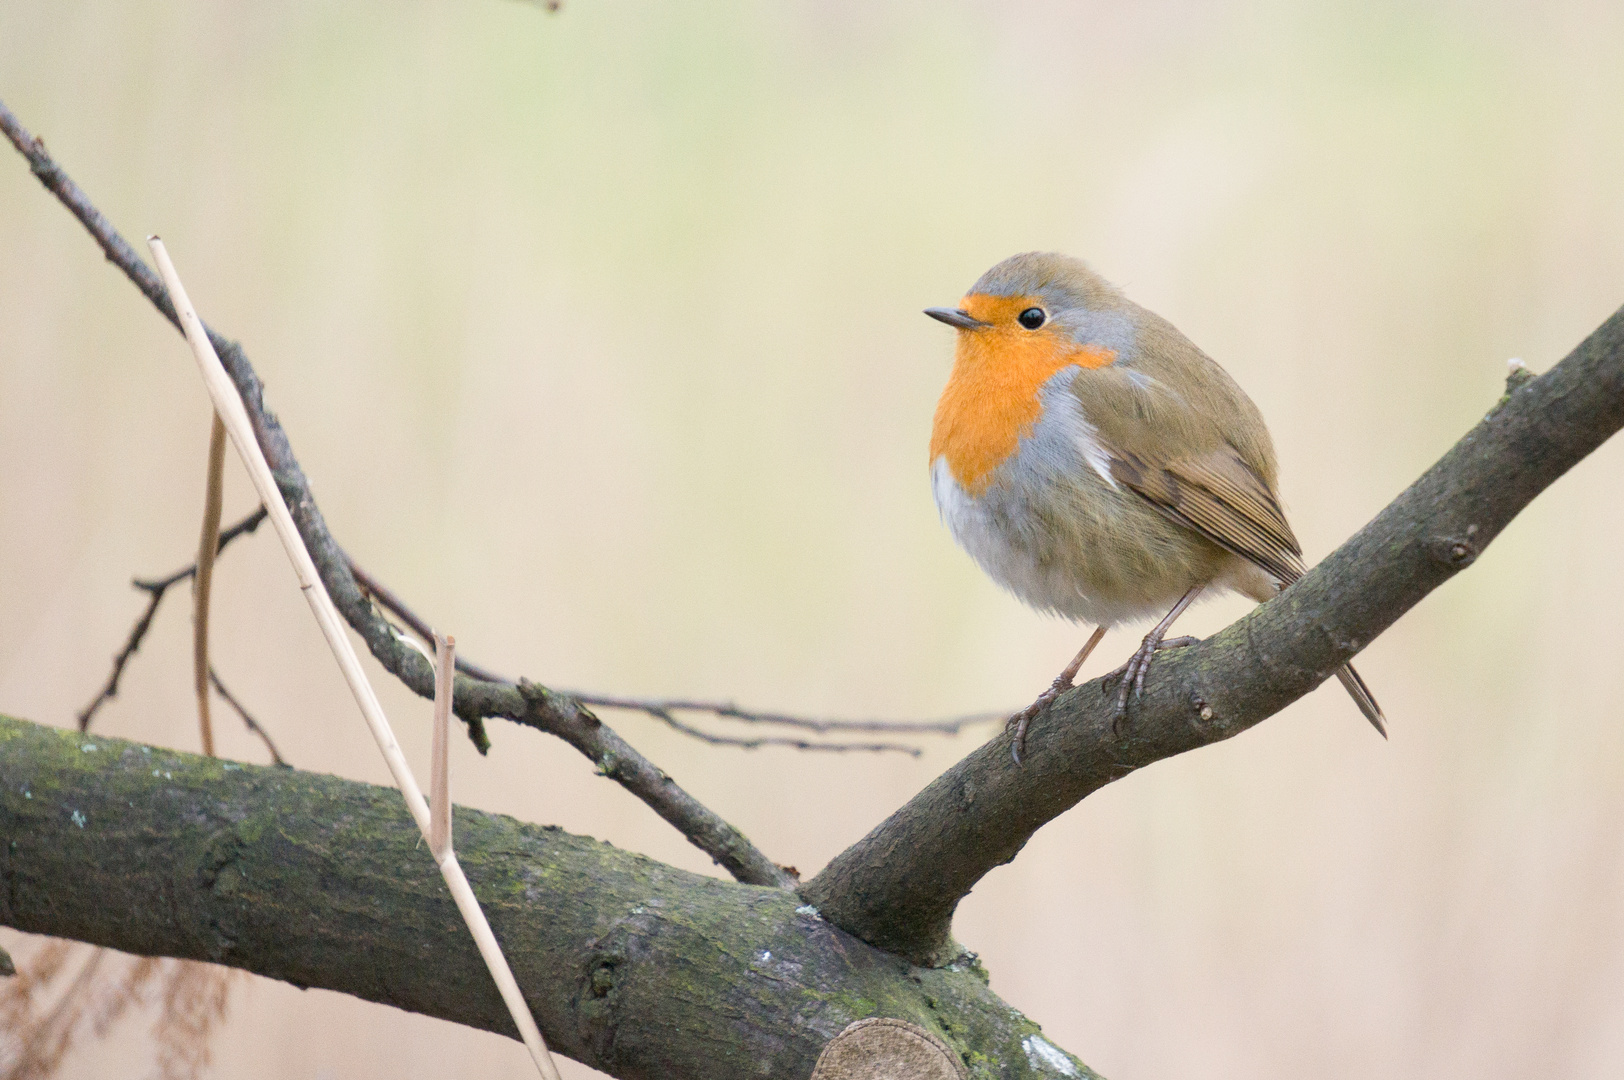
[(1218, 496)]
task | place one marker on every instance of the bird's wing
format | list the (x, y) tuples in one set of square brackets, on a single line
[(1219, 481), (1219, 496)]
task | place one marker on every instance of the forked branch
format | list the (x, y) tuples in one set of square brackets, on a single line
[(155, 591), (526, 703)]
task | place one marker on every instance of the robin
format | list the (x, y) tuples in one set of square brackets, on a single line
[(1099, 466)]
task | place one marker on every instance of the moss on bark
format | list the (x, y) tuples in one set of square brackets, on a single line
[(632, 966)]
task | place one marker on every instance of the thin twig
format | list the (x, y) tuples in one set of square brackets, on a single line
[(208, 546), (659, 710), (774, 740), (115, 247), (253, 725), (729, 711), (386, 598), (246, 525), (156, 589), (662, 708)]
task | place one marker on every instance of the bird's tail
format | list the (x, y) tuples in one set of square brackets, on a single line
[(1362, 697)]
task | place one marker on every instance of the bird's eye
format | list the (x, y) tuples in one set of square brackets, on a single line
[(1032, 318)]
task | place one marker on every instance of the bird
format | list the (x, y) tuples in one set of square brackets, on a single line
[(1099, 466)]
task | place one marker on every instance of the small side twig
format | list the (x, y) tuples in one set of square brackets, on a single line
[(662, 709), (748, 743), (156, 589), (249, 721), (386, 598), (729, 711)]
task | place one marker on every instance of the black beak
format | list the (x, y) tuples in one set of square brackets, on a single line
[(957, 318)]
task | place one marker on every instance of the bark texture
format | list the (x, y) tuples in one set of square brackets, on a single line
[(631, 966)]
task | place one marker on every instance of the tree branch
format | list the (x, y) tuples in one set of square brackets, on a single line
[(631, 966), (663, 709), (526, 703), (897, 887), (155, 591)]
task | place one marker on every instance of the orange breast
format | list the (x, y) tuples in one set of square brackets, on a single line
[(991, 398)]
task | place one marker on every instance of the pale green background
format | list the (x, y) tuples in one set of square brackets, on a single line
[(599, 337)]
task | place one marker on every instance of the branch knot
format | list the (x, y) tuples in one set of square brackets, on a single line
[(1455, 552)]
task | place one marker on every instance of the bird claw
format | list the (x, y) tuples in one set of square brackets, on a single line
[(1021, 720), (1133, 672), (1062, 682)]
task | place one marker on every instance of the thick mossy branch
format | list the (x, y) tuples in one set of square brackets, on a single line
[(632, 966), (898, 886)]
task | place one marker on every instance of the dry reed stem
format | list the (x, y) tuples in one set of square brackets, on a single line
[(445, 675), (229, 407), (208, 545)]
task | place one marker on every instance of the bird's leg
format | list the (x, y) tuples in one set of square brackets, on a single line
[(1133, 672), (1061, 684)]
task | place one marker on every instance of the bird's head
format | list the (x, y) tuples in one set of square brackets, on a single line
[(1040, 307)]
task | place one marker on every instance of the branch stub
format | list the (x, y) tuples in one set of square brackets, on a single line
[(881, 1048)]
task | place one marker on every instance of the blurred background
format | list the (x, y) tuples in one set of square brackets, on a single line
[(599, 337)]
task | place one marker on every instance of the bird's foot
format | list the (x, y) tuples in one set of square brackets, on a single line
[(1133, 672), (1019, 722), (1062, 683)]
